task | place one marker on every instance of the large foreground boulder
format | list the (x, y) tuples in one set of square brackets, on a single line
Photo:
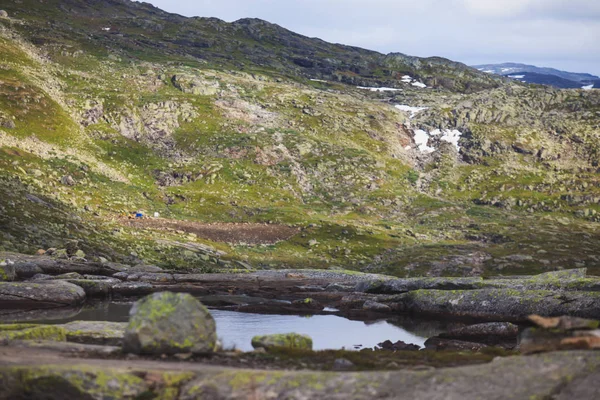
[(170, 323), (40, 294)]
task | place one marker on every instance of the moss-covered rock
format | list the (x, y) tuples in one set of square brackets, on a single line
[(7, 271), (287, 340), (35, 332), (169, 323), (95, 332)]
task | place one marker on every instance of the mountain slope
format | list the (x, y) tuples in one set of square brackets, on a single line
[(142, 32), (214, 124)]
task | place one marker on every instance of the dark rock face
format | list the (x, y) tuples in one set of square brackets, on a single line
[(169, 323), (437, 343), (398, 346)]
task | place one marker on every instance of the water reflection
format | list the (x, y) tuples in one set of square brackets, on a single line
[(237, 329)]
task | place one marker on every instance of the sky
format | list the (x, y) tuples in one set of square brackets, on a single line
[(563, 34)]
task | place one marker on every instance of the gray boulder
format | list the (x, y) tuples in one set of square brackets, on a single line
[(7, 271), (40, 294), (500, 304), (170, 323), (3, 14), (26, 270)]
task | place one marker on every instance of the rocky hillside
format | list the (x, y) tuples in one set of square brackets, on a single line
[(429, 167)]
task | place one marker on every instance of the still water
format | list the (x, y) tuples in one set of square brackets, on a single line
[(236, 329)]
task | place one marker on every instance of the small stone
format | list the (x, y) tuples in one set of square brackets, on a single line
[(68, 180), (40, 252), (288, 341), (341, 364)]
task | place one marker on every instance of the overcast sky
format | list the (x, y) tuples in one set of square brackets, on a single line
[(564, 34)]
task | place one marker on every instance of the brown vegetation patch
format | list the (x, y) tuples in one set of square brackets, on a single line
[(221, 232)]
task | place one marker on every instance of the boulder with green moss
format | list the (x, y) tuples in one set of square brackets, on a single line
[(287, 340), (170, 323)]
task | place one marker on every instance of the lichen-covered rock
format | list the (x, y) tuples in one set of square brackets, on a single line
[(169, 323), (32, 332), (95, 332), (395, 286), (55, 382), (500, 304), (287, 340), (41, 294), (7, 271)]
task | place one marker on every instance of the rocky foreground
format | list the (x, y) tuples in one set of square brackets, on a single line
[(496, 349)]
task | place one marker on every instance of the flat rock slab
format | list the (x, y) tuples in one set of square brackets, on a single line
[(499, 304), (42, 294), (561, 375), (95, 332), (396, 286)]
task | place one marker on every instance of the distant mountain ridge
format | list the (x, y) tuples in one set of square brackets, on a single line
[(542, 75)]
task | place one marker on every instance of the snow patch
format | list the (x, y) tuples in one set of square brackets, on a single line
[(318, 80), (588, 87), (419, 84), (106, 29), (381, 89), (447, 135), (412, 110), (421, 139), (517, 76)]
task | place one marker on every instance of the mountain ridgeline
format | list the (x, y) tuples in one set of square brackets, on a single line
[(262, 148), (542, 76), (143, 32)]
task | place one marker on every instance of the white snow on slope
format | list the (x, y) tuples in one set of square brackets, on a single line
[(517, 76), (422, 138), (588, 87), (381, 89), (318, 80), (414, 82), (412, 110), (450, 136)]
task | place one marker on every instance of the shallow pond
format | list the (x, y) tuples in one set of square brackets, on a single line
[(236, 329)]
